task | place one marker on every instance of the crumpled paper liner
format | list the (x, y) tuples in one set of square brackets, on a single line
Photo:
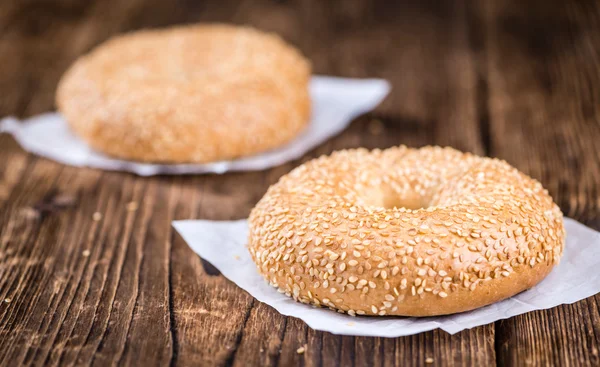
[(223, 243), (335, 103)]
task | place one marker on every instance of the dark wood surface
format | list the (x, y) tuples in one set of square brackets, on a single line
[(510, 79)]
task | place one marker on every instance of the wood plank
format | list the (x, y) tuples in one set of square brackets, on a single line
[(543, 67), (29, 273), (80, 309), (209, 311), (79, 296)]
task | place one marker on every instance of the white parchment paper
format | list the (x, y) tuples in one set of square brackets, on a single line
[(335, 103), (223, 244)]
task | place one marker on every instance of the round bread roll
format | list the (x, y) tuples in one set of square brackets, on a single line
[(195, 94), (410, 232)]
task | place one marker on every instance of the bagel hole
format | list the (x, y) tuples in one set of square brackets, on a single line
[(413, 203), (389, 199)]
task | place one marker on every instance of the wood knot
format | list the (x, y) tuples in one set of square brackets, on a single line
[(50, 204)]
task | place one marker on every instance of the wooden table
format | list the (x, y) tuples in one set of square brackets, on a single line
[(510, 79)]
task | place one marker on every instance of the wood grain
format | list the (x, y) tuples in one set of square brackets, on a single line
[(92, 272), (543, 68)]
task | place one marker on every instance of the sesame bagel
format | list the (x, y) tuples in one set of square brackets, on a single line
[(195, 94), (411, 232)]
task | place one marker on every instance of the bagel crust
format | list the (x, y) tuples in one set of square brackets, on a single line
[(196, 94), (408, 232)]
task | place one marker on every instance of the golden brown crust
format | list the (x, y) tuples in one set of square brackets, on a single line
[(336, 232), (197, 93)]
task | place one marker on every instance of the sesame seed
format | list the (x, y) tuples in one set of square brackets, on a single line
[(132, 206)]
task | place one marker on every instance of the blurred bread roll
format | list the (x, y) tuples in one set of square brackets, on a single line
[(190, 94)]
